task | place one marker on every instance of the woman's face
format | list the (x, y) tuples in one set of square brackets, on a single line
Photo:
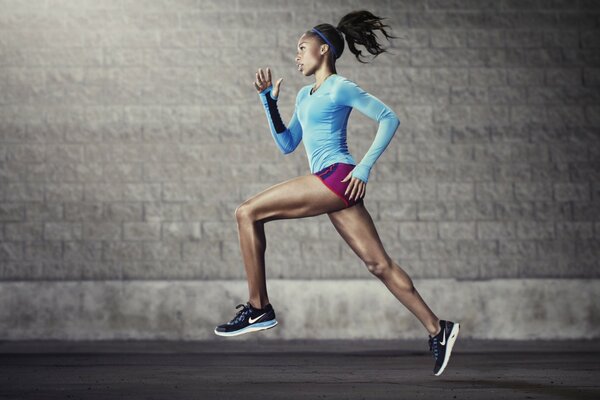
[(310, 53)]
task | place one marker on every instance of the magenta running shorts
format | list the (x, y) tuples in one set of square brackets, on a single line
[(332, 178)]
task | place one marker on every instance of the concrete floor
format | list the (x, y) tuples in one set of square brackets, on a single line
[(251, 368)]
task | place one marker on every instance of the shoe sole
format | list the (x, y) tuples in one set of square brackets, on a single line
[(250, 328), (451, 340)]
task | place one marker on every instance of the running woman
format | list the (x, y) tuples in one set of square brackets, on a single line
[(336, 185)]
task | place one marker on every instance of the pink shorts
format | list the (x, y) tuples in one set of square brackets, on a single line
[(332, 178)]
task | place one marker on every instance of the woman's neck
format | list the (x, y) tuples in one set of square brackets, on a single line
[(322, 74)]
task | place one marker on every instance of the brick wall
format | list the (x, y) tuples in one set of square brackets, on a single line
[(130, 131)]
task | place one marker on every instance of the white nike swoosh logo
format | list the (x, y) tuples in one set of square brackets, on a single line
[(255, 319), (443, 342)]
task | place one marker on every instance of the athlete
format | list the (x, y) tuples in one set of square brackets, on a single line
[(336, 184)]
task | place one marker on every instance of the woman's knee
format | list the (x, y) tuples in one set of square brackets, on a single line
[(383, 267), (384, 270), (244, 212), (379, 268)]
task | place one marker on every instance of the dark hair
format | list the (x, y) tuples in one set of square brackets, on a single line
[(358, 27)]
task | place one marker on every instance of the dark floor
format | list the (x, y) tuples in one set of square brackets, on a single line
[(230, 368)]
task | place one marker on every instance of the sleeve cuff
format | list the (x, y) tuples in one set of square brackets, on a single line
[(268, 90), (361, 172)]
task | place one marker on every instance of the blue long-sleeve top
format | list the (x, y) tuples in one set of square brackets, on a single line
[(320, 120)]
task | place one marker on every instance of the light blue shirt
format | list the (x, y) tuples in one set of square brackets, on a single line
[(320, 121)]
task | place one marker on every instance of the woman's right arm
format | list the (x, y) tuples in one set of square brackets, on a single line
[(286, 138)]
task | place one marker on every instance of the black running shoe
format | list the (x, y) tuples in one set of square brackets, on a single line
[(442, 343), (248, 319)]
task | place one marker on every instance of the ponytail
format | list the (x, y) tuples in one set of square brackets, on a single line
[(358, 27)]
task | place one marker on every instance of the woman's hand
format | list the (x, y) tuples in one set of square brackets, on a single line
[(263, 81), (355, 187)]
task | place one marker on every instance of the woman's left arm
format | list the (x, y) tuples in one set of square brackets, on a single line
[(350, 94)]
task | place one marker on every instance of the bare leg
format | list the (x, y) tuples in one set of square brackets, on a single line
[(253, 244), (400, 284), (300, 197), (356, 226)]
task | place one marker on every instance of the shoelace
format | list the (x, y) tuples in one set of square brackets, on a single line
[(240, 314), (433, 345)]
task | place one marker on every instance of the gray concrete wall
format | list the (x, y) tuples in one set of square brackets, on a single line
[(130, 131), (304, 308)]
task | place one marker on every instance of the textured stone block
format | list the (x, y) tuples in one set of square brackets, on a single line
[(130, 133)]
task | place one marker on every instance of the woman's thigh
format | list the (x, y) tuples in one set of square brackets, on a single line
[(300, 197), (356, 227)]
